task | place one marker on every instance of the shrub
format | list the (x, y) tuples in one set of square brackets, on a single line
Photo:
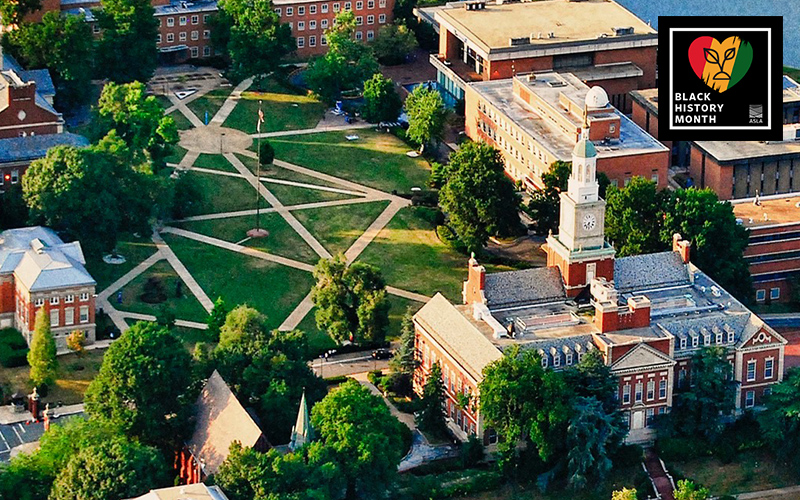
[(407, 406), (628, 455), (375, 377), (425, 199), (472, 451), (449, 238), (680, 449), (13, 348), (397, 383), (339, 379)]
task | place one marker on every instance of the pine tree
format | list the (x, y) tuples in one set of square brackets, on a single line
[(431, 417), (404, 360), (216, 318), (42, 356)]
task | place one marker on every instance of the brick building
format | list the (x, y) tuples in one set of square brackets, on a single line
[(652, 313), (38, 270), (536, 120), (599, 41)]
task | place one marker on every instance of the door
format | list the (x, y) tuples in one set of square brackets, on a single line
[(638, 420), (591, 270)]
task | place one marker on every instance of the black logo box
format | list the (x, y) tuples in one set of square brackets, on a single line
[(762, 85)]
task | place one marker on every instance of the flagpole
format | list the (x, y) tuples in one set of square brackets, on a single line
[(258, 169)]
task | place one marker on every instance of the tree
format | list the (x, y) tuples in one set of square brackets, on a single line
[(253, 37), (112, 469), (624, 494), (633, 217), (126, 49), (478, 197), (426, 116), (64, 45), (544, 206), (76, 341), (592, 378), (431, 417), (143, 386), (138, 120), (381, 101), (42, 355), (13, 210), (687, 490), (351, 300), (405, 360), (592, 435), (700, 410), (363, 437), (216, 318), (13, 12), (780, 420), (524, 402), (346, 65), (394, 43), (90, 194), (266, 153)]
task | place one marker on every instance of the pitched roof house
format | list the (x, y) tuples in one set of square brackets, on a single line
[(197, 491)]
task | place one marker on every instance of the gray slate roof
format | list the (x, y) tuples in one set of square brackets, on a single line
[(559, 343), (640, 272), (44, 84), (33, 147), (530, 286)]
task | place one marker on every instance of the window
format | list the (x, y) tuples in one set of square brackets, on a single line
[(84, 297), (382, 18), (359, 5), (683, 342), (170, 22), (323, 40), (182, 36), (639, 388), (38, 302), (182, 21), (301, 42), (54, 301), (730, 337), (767, 391), (682, 377), (774, 293), (654, 178), (158, 38), (662, 389), (695, 340), (206, 51), (348, 6), (289, 11), (205, 18), (195, 19), (751, 370), (359, 35), (371, 4), (761, 295), (370, 35), (206, 34), (324, 24), (370, 19), (301, 11), (556, 360), (719, 338), (312, 25), (193, 51), (569, 358), (626, 394), (612, 127), (170, 37), (69, 316), (707, 339), (312, 9), (54, 317), (382, 4), (336, 7), (750, 399), (768, 364), (69, 299), (84, 314), (95, 29), (323, 8), (649, 414), (312, 41), (195, 36), (544, 361), (301, 25), (359, 20), (278, 11), (651, 390)]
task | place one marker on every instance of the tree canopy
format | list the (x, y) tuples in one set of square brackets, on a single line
[(478, 198), (14, 12), (394, 43), (42, 354), (780, 420), (545, 204), (351, 300), (381, 101), (426, 115), (431, 417), (592, 436), (634, 216), (143, 386), (126, 49)]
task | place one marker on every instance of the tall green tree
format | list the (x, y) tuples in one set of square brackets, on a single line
[(118, 468), (394, 43), (42, 354), (426, 116), (544, 206), (14, 12), (126, 49), (346, 65), (478, 197), (143, 386), (404, 359), (351, 300), (592, 436), (780, 420), (633, 217), (216, 318), (64, 45), (381, 101), (252, 35), (242, 325), (592, 378), (431, 417), (13, 210), (363, 437)]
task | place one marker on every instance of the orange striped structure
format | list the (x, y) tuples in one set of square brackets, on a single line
[(721, 65)]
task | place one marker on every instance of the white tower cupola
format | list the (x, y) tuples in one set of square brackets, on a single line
[(582, 185)]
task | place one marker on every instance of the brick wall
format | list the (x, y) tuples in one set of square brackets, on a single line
[(190, 29), (23, 116)]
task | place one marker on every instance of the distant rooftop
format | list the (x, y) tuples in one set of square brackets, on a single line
[(570, 22), (32, 147), (733, 151), (198, 491), (186, 7), (771, 210), (791, 90)]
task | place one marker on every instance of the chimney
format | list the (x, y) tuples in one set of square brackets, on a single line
[(475, 284), (683, 247), (606, 316)]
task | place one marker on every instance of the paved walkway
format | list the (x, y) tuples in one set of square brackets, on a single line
[(658, 475), (319, 128), (405, 418), (288, 208), (310, 186), (230, 103), (781, 493), (184, 273)]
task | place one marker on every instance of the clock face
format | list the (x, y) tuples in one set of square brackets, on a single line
[(589, 222)]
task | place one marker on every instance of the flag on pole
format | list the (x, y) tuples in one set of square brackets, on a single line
[(260, 120)]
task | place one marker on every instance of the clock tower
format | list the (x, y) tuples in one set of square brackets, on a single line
[(579, 249)]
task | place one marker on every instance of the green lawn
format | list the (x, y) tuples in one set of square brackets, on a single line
[(412, 257), (177, 154), (282, 239), (376, 159), (135, 250), (181, 121), (273, 289), (282, 111), (222, 193), (191, 336), (164, 101), (318, 340), (210, 102), (283, 173), (214, 162), (337, 228), (186, 307)]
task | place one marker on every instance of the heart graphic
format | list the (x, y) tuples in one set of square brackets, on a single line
[(720, 65)]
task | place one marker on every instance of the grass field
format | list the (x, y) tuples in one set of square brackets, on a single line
[(412, 257), (282, 111), (224, 194), (337, 228), (273, 289), (181, 121), (214, 162), (135, 250), (186, 307), (376, 159), (210, 102), (72, 379), (282, 239), (284, 173), (177, 154)]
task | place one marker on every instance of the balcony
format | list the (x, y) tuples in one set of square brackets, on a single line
[(456, 70)]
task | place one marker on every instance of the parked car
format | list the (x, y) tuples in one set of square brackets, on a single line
[(381, 354)]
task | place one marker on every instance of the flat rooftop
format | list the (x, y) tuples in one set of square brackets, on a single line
[(791, 90), (569, 21), (732, 151), (500, 93), (769, 211), (647, 98)]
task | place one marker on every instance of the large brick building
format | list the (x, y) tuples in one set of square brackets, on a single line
[(599, 41), (536, 119), (652, 313), (38, 270)]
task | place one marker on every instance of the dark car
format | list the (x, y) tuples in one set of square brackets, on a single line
[(381, 354)]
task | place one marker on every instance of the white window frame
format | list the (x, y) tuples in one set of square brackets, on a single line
[(54, 301), (69, 316), (323, 8), (730, 337), (158, 38), (556, 360), (170, 37), (206, 35), (370, 4), (359, 5), (182, 21), (312, 25), (662, 389), (170, 22), (301, 11), (359, 35), (38, 303), (84, 296), (54, 314), (751, 374), (774, 293), (382, 4), (695, 340), (638, 392), (324, 24), (749, 399), (769, 368), (336, 7), (194, 51), (301, 25), (206, 51), (651, 390), (719, 338), (626, 394), (84, 311), (195, 19), (278, 11), (569, 359), (348, 6), (323, 40), (312, 9), (370, 19), (761, 295), (381, 18), (289, 11), (370, 35), (683, 343), (69, 298), (195, 35), (359, 20), (206, 17), (182, 36), (312, 41)]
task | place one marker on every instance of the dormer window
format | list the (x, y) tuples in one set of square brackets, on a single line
[(707, 339), (719, 337), (683, 342), (544, 360), (569, 358), (556, 360), (730, 337), (695, 341)]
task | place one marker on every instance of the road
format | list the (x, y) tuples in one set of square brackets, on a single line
[(337, 366), (14, 435)]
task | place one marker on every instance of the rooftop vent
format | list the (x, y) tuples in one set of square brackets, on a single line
[(557, 83), (623, 30), (475, 4), (38, 245), (551, 35), (515, 42)]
